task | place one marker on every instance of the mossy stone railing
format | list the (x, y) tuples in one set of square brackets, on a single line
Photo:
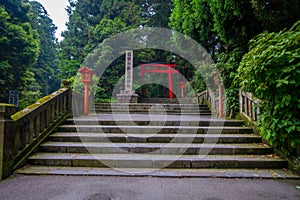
[(250, 112), (249, 106), (22, 132), (209, 98)]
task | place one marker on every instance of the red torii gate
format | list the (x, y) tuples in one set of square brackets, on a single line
[(169, 70)]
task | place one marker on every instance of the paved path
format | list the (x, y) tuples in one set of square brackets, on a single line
[(145, 188)]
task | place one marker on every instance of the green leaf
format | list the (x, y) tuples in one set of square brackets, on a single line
[(293, 143), (290, 129)]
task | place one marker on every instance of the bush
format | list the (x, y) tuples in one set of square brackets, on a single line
[(271, 71)]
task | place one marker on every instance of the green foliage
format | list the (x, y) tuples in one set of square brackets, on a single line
[(19, 46), (31, 91), (67, 68), (28, 56), (91, 21), (86, 17), (157, 12), (198, 83), (224, 28), (271, 71), (46, 68), (234, 22), (227, 65), (105, 29), (277, 14), (194, 18), (109, 79)]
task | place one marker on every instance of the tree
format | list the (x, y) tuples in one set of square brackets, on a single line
[(234, 22), (31, 90), (115, 70), (46, 68), (19, 45), (85, 17), (276, 15), (193, 18), (156, 13)]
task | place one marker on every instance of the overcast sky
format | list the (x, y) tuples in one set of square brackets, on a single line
[(56, 11)]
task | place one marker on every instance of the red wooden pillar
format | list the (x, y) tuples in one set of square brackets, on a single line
[(86, 99), (86, 79), (170, 82), (182, 85), (142, 77), (169, 70), (143, 73)]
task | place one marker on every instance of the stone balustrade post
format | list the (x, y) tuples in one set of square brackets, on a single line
[(67, 84), (6, 110)]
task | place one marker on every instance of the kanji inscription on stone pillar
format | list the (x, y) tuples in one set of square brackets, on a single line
[(128, 71), (128, 95)]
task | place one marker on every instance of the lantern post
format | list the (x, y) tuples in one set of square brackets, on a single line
[(87, 75)]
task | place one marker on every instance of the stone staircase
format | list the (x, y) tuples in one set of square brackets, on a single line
[(154, 108), (167, 100), (147, 139)]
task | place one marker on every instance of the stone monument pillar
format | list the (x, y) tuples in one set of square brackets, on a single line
[(128, 95)]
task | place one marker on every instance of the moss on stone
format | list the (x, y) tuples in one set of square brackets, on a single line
[(38, 103), (6, 104), (17, 115)]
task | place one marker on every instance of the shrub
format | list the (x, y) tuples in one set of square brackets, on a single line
[(271, 71)]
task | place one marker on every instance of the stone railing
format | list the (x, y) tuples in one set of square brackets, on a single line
[(203, 97), (208, 97), (250, 110), (22, 132), (249, 106)]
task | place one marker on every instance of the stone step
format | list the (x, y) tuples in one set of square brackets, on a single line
[(153, 108), (150, 138), (167, 173), (149, 105), (192, 112), (175, 122), (167, 100), (154, 112), (157, 161), (154, 129), (155, 148), (178, 109), (131, 110)]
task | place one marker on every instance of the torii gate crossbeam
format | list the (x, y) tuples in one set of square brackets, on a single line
[(169, 70)]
